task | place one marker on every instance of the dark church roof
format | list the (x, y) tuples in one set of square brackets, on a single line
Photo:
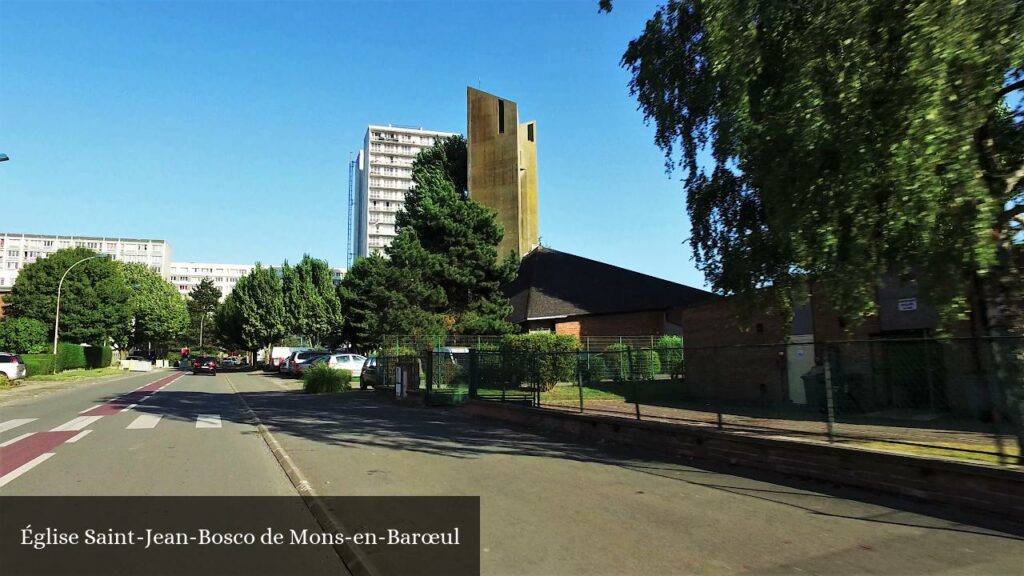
[(556, 284)]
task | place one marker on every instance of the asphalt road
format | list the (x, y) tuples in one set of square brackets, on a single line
[(548, 506), (164, 433)]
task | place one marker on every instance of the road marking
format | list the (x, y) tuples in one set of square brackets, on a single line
[(76, 424), (78, 436), (208, 421), (13, 440), (12, 424), (144, 422), (129, 407), (24, 468)]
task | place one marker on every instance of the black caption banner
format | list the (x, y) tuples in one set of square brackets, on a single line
[(392, 535)]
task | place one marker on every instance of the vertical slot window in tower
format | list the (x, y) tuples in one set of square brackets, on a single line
[(501, 116), (529, 132)]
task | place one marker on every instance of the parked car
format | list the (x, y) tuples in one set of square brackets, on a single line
[(11, 366), (368, 375), (230, 362), (278, 354), (351, 362), (204, 364), (297, 361)]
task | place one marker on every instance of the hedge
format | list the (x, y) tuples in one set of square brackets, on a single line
[(616, 358), (321, 378), (39, 363), (97, 356), (551, 358), (592, 368), (70, 357), (646, 364), (670, 352)]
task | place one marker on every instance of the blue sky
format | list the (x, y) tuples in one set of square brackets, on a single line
[(225, 128)]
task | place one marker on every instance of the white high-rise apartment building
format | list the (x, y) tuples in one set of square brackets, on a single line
[(383, 176), (17, 250), (185, 275)]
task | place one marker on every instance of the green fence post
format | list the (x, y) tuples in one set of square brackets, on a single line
[(632, 378), (829, 407), (579, 381)]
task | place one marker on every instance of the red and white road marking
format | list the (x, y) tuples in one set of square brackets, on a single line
[(28, 452), (131, 399), (21, 454)]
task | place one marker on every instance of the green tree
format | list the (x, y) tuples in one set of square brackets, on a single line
[(311, 301), (365, 295), (847, 141), (94, 297), (450, 242), (260, 306), (227, 321), (203, 300), (159, 315), (23, 335)]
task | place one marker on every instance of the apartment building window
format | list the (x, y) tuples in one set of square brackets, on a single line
[(111, 246), (47, 243), (12, 253), (501, 116), (529, 132)]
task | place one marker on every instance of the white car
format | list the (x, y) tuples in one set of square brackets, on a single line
[(11, 366), (351, 362)]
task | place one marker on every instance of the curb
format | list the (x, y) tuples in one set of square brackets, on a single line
[(354, 560)]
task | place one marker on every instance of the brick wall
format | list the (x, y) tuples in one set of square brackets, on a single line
[(652, 322), (733, 354)]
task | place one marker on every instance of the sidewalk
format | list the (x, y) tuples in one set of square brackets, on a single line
[(900, 436)]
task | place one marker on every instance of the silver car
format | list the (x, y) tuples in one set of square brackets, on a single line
[(11, 366)]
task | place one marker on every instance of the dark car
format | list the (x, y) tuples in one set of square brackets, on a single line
[(368, 375), (204, 364)]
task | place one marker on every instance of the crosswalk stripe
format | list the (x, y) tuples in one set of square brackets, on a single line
[(12, 424), (15, 439), (145, 421), (76, 423), (78, 436), (208, 421)]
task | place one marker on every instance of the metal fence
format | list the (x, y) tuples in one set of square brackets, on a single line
[(954, 397)]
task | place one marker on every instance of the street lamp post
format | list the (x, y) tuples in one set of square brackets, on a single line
[(56, 321)]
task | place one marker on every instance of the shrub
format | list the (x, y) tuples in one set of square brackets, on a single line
[(97, 356), (617, 360), (551, 358), (321, 378), (21, 335), (592, 368), (70, 357), (646, 364), (670, 352), (39, 363)]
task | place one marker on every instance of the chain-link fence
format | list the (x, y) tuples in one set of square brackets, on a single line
[(954, 397)]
